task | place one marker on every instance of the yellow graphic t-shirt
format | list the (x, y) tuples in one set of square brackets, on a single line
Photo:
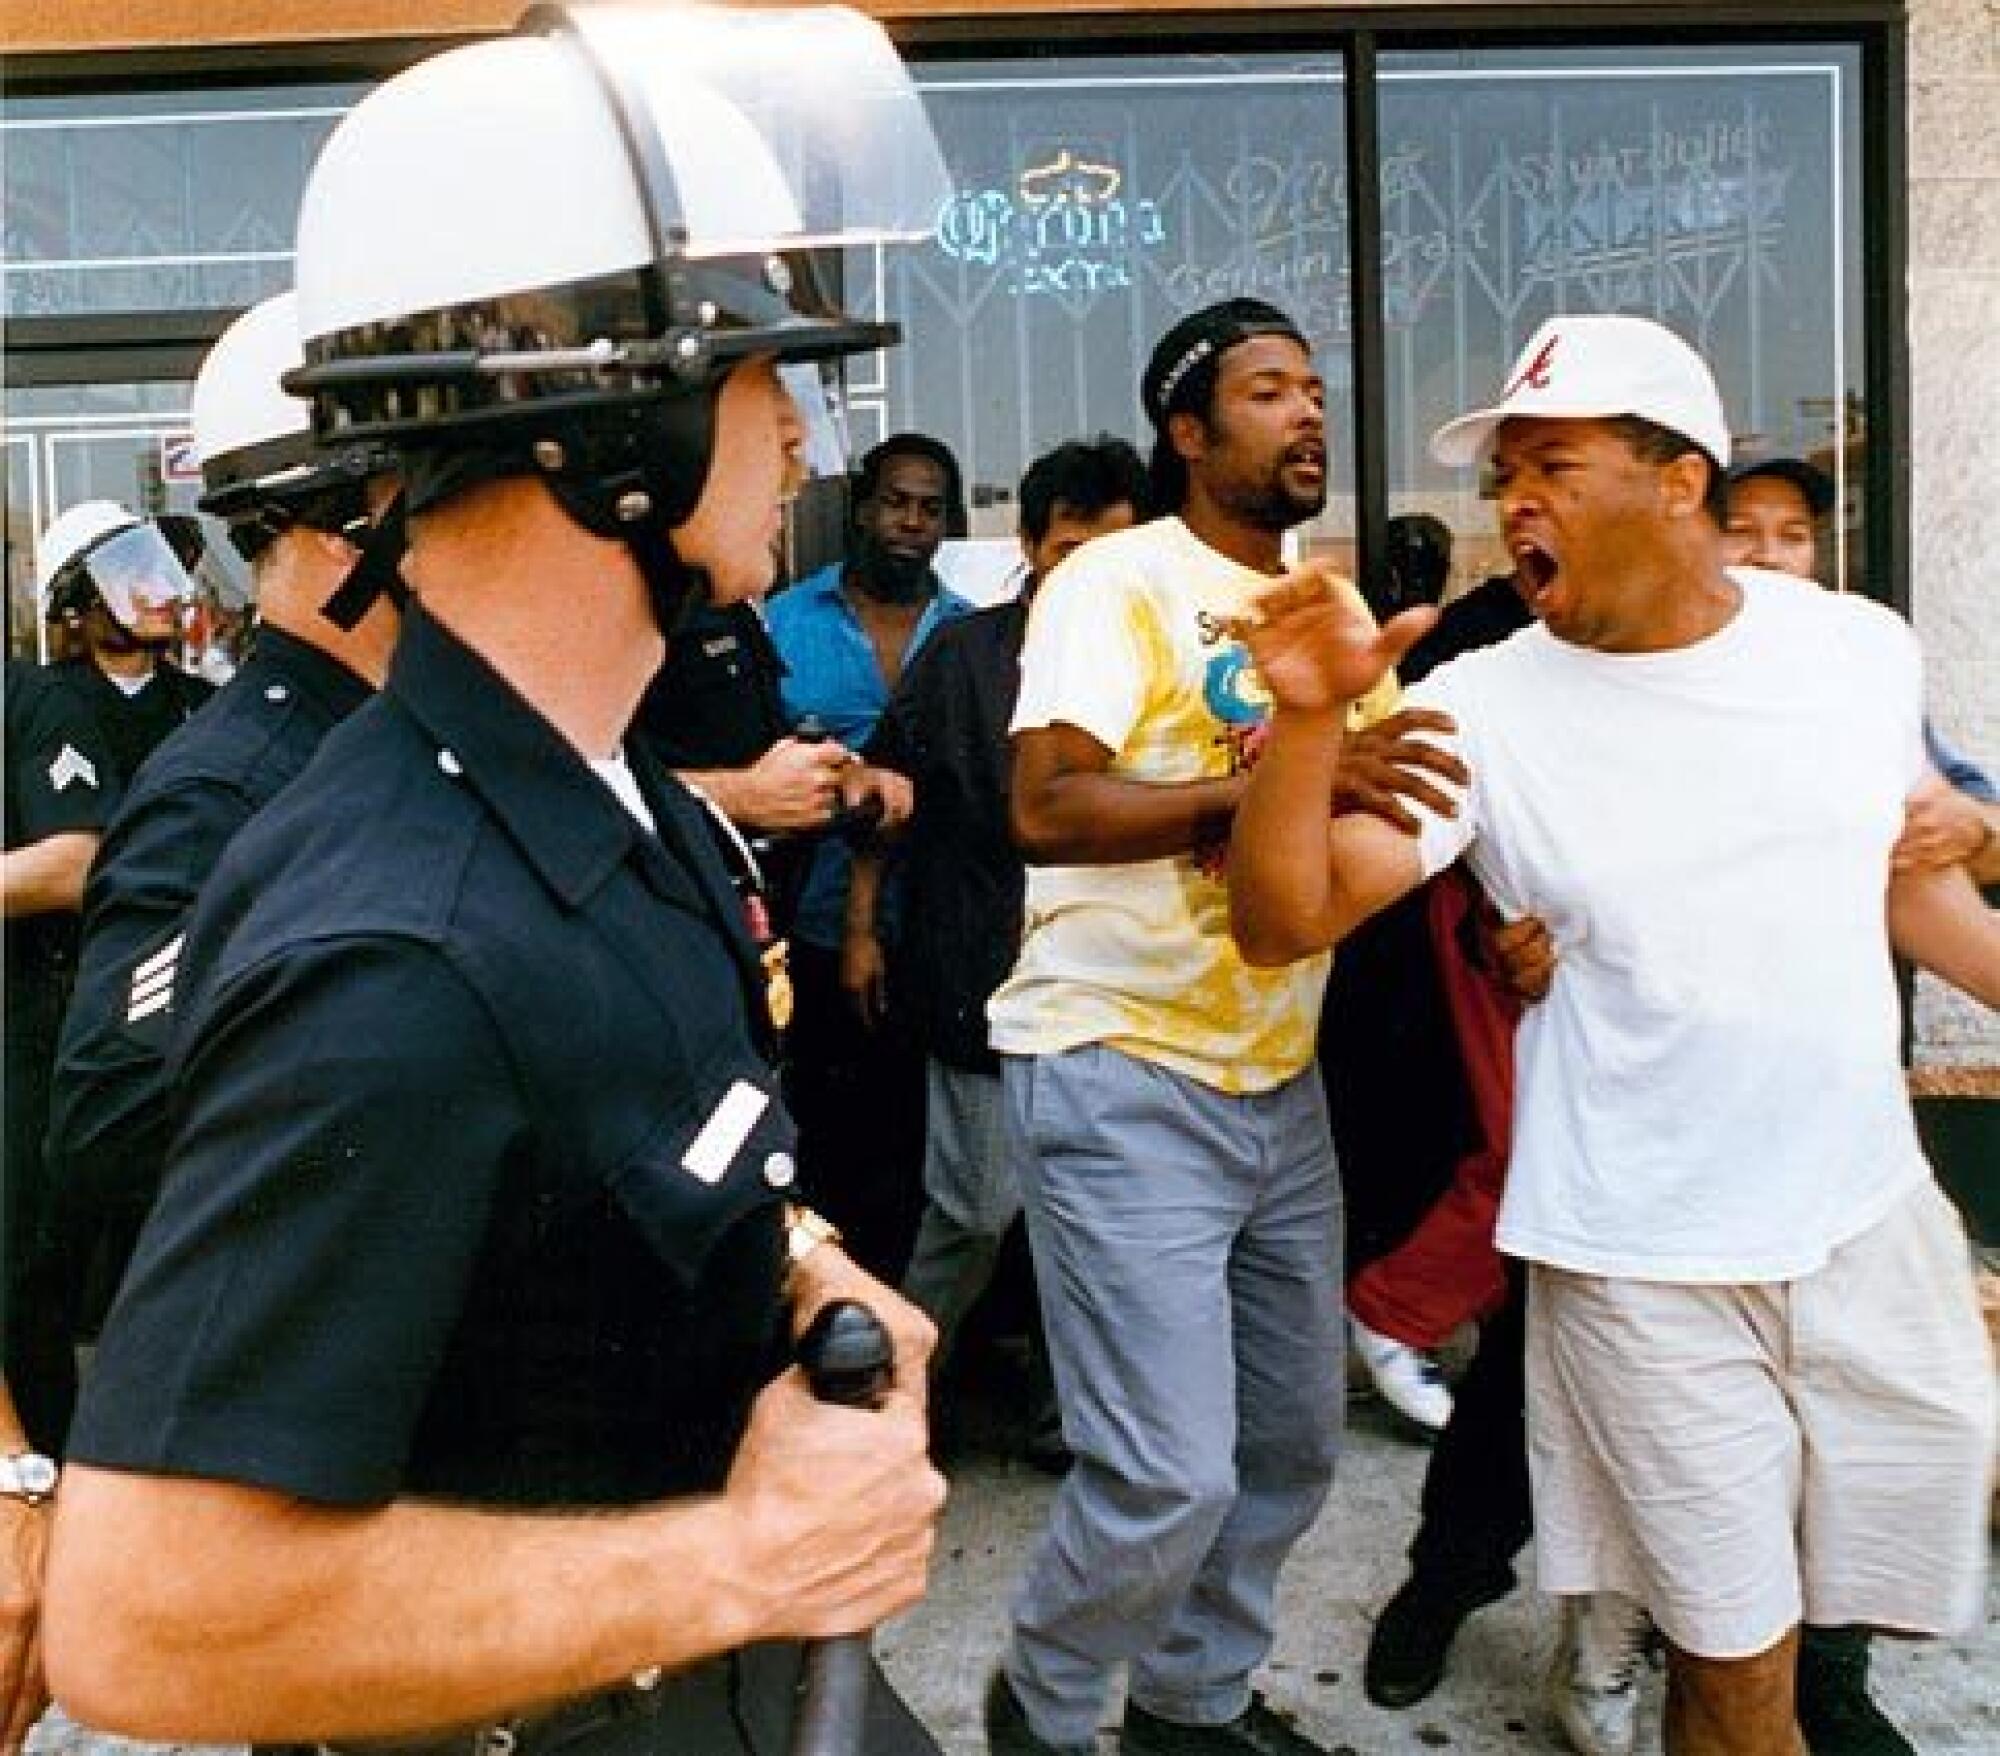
[(1125, 642)]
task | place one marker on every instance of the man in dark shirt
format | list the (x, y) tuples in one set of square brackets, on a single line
[(715, 704), (115, 586), (715, 717), (946, 728), (298, 517)]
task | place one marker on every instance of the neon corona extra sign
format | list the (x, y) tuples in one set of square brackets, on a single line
[(1065, 227)]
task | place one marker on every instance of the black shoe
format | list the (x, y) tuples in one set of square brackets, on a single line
[(1008, 1732), (1837, 1717), (1044, 1449), (1413, 1636), (1259, 1730)]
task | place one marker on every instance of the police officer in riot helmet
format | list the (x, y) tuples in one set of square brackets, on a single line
[(448, 1388), (56, 795), (114, 588), (300, 517)]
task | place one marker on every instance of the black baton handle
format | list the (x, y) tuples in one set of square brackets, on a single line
[(852, 822), (848, 1359)]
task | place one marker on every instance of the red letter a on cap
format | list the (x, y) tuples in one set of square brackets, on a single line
[(1535, 374)]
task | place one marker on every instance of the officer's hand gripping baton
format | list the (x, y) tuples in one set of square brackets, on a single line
[(848, 1359), (851, 822)]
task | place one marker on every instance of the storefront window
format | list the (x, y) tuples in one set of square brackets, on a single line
[(1717, 191), (182, 201), (1097, 201), (1099, 198)]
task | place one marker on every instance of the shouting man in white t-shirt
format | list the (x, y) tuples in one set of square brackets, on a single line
[(1758, 1386)]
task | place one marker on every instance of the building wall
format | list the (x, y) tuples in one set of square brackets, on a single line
[(1954, 156), (1955, 411), (79, 24)]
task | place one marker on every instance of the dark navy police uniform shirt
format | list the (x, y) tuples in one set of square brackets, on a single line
[(58, 782), (133, 726), (477, 1159), (107, 1125), (715, 702)]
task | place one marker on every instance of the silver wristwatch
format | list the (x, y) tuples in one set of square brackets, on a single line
[(29, 1476)]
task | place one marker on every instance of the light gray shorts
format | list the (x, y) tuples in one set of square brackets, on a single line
[(1741, 1458)]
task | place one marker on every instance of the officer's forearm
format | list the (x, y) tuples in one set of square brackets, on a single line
[(204, 1612), (46, 877)]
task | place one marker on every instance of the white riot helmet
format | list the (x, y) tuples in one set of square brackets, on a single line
[(96, 552), (581, 228), (262, 471), (260, 467)]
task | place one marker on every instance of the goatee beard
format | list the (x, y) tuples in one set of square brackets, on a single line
[(895, 582), (1274, 507)]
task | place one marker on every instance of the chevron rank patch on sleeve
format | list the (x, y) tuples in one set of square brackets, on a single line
[(153, 981), (72, 765)]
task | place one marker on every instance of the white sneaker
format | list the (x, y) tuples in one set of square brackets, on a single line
[(1406, 1378), (1593, 1687)]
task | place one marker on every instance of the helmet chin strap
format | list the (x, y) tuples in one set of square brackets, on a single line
[(375, 573), (677, 589), (613, 485)]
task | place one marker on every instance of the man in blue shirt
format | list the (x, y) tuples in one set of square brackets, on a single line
[(845, 634)]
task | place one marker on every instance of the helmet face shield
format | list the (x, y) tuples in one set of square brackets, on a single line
[(136, 575), (829, 140), (816, 389)]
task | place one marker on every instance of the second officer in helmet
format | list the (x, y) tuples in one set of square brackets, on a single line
[(446, 1396), (299, 517)]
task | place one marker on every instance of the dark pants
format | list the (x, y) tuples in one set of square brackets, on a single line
[(34, 1330), (858, 1098), (1477, 1513), (1395, 1087), (1447, 1271)]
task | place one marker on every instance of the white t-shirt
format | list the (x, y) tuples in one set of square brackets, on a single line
[(1711, 1091), (1125, 642)]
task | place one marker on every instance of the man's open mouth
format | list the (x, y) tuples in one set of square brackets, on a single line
[(1535, 566)]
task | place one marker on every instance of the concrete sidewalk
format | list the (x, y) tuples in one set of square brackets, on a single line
[(1946, 1696)]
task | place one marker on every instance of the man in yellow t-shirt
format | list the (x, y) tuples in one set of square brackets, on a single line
[(1162, 1107)]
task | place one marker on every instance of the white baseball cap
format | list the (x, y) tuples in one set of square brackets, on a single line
[(1592, 367)]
